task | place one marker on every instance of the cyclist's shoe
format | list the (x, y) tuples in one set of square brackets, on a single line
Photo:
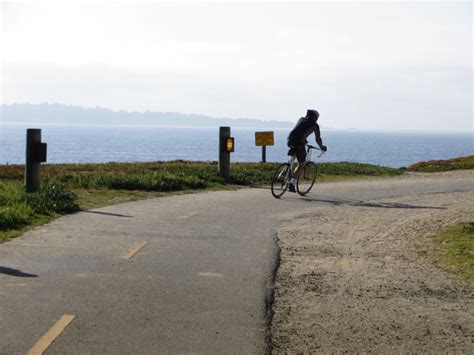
[(291, 188)]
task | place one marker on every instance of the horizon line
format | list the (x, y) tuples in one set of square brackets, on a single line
[(358, 130)]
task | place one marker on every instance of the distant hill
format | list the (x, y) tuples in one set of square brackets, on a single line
[(64, 114)]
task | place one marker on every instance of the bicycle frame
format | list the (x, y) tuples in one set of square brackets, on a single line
[(309, 151)]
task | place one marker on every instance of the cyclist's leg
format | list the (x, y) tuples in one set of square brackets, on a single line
[(301, 157), (299, 170)]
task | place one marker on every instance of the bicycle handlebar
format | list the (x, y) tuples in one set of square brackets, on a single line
[(313, 147)]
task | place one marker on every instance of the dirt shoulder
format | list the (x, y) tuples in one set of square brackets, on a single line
[(354, 278)]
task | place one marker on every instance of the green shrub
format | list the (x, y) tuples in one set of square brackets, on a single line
[(52, 197), (18, 208), (11, 193), (16, 216)]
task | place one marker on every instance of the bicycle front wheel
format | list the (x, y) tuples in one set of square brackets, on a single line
[(280, 180), (307, 179)]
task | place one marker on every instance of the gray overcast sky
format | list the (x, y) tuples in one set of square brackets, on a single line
[(369, 65)]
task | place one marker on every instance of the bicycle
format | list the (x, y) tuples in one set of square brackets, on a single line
[(284, 173)]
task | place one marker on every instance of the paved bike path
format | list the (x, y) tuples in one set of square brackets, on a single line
[(198, 284)]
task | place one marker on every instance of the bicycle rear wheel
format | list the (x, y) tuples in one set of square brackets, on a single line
[(307, 179), (280, 180)]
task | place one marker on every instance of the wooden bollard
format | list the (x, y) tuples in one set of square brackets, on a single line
[(224, 154), (35, 154)]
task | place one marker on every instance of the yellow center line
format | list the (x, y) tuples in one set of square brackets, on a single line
[(43, 344), (194, 214), (134, 250)]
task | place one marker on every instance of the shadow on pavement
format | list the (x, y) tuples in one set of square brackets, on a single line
[(359, 203), (15, 272), (109, 214)]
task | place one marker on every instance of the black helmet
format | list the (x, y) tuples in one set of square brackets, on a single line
[(312, 114)]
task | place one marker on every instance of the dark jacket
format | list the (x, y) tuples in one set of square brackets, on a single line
[(304, 127)]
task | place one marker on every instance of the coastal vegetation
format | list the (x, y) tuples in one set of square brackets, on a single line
[(432, 166)]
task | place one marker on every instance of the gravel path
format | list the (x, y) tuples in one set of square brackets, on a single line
[(354, 278)]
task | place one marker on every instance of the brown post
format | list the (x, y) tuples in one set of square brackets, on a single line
[(224, 155), (32, 166)]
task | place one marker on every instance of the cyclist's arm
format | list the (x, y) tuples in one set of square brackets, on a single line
[(317, 133)]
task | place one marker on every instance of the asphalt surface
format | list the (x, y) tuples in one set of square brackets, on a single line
[(179, 274)]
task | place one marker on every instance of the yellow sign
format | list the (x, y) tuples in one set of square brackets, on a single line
[(263, 138)]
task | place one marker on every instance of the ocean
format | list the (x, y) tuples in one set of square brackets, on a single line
[(101, 143)]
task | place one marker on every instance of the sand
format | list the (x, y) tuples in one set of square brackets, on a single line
[(363, 278)]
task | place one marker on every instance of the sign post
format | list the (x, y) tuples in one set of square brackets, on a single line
[(262, 139)]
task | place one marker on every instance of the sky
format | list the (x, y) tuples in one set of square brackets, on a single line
[(380, 65)]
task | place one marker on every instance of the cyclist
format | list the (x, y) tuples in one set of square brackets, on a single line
[(297, 142)]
